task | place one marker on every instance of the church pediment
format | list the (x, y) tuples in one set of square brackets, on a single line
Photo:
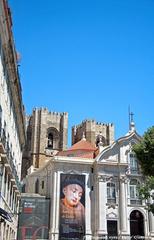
[(111, 153)]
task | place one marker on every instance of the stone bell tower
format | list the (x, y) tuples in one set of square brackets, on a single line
[(92, 131), (46, 135)]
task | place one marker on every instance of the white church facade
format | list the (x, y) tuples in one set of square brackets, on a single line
[(108, 185)]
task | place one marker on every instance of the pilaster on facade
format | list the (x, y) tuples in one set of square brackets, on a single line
[(88, 213), (54, 224), (123, 205), (101, 229)]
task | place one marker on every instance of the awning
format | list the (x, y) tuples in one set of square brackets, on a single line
[(5, 215)]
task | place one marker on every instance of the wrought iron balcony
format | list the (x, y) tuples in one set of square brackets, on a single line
[(4, 147), (2, 139), (134, 170), (111, 200), (136, 201)]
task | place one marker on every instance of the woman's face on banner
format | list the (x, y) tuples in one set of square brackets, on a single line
[(73, 194)]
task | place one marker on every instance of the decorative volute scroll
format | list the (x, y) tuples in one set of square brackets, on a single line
[(123, 179), (104, 178)]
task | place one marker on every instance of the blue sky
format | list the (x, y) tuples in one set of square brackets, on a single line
[(91, 59)]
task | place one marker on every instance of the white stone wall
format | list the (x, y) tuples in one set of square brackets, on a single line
[(11, 127)]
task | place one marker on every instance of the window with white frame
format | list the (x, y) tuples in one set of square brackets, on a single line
[(111, 192), (133, 162), (134, 192)]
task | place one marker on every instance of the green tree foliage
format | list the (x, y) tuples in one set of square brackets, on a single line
[(145, 154), (146, 192)]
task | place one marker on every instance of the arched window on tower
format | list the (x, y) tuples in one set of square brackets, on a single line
[(100, 140), (50, 140)]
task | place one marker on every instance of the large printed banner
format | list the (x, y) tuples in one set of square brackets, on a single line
[(34, 218), (72, 207)]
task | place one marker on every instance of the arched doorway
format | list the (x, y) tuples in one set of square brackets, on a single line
[(136, 223)]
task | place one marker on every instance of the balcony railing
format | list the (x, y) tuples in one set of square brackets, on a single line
[(6, 147), (111, 200), (136, 201), (134, 170), (3, 137)]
